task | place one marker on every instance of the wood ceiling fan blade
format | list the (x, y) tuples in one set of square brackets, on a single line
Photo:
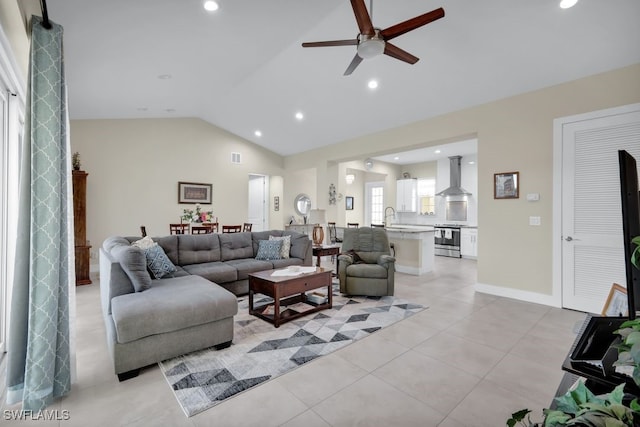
[(331, 43), (354, 63), (395, 52), (362, 17), (412, 24)]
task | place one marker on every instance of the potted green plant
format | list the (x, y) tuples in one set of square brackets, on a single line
[(75, 161), (580, 407)]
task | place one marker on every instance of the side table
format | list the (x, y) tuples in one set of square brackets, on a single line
[(325, 250)]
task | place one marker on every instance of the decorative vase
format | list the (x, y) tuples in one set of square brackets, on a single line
[(318, 235)]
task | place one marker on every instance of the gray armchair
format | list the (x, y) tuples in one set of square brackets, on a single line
[(365, 266)]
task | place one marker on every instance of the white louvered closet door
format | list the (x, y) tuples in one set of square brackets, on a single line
[(592, 246)]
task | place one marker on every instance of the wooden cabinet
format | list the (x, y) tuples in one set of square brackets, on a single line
[(407, 195), (83, 249), (469, 242)]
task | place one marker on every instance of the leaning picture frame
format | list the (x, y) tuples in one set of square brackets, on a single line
[(617, 304), (506, 185), (193, 192)]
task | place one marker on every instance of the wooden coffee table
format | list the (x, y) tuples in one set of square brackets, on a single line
[(288, 290)]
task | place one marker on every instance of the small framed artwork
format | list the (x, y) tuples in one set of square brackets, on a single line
[(617, 304), (506, 185), (192, 192), (349, 203), (276, 203)]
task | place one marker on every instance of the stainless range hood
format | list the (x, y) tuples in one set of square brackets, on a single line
[(455, 177)]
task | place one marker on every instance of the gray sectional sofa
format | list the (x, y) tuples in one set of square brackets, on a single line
[(151, 319)]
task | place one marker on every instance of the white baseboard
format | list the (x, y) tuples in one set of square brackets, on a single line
[(533, 297)]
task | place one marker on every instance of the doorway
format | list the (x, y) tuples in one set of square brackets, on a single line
[(589, 251), (258, 209)]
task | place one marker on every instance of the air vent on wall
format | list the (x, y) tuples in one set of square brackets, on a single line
[(236, 158)]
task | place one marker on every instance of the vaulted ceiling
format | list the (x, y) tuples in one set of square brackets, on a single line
[(242, 68)]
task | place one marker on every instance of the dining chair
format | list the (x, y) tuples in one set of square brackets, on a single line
[(352, 225), (231, 228), (178, 228), (333, 234), (377, 225), (213, 226), (247, 226), (143, 231), (200, 229)]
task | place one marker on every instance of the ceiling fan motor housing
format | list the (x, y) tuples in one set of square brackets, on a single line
[(370, 46)]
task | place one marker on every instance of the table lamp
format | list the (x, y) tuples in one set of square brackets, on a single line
[(317, 217)]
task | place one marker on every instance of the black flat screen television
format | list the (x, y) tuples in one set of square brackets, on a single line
[(630, 225)]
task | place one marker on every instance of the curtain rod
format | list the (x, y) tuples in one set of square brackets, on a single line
[(45, 15)]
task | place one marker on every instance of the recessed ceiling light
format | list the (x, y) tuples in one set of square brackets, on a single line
[(210, 5), (472, 162), (437, 151), (299, 115), (566, 4), (258, 133), (164, 76), (396, 158), (373, 84)]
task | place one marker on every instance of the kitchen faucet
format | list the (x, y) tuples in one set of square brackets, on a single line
[(393, 214)]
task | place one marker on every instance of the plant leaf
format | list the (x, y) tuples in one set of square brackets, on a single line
[(633, 338), (555, 418), (616, 395), (517, 416)]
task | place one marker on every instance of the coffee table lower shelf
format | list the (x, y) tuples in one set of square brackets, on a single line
[(287, 291), (288, 314)]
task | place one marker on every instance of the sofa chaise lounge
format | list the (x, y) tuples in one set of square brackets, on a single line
[(192, 305)]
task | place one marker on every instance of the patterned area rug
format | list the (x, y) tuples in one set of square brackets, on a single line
[(260, 352)]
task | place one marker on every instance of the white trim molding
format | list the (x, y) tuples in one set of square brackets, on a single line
[(512, 293)]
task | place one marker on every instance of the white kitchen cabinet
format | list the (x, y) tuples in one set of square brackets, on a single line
[(407, 195), (469, 242)]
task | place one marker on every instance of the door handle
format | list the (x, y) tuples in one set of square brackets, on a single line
[(570, 239)]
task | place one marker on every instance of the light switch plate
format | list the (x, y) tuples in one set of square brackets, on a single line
[(534, 220), (533, 197)]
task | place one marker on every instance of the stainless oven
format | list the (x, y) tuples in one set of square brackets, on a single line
[(447, 240)]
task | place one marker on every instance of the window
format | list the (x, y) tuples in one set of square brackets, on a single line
[(427, 196), (11, 132)]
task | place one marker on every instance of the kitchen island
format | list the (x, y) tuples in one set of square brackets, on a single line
[(414, 248)]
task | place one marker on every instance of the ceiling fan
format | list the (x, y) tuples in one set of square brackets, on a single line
[(373, 41)]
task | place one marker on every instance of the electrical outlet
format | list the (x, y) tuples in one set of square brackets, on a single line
[(534, 220)]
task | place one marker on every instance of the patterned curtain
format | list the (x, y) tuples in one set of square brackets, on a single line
[(39, 367)]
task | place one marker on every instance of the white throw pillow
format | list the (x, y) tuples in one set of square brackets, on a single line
[(285, 249), (144, 243)]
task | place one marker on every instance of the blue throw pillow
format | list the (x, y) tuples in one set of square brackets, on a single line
[(269, 250), (158, 262)]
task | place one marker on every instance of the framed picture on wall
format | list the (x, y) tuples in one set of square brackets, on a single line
[(506, 185), (348, 203), (192, 192)]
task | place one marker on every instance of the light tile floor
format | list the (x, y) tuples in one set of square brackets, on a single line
[(470, 360)]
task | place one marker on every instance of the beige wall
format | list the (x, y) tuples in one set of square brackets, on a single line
[(514, 134), (134, 167), (14, 18)]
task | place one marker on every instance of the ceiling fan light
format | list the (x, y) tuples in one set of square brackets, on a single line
[(370, 48), (211, 5)]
